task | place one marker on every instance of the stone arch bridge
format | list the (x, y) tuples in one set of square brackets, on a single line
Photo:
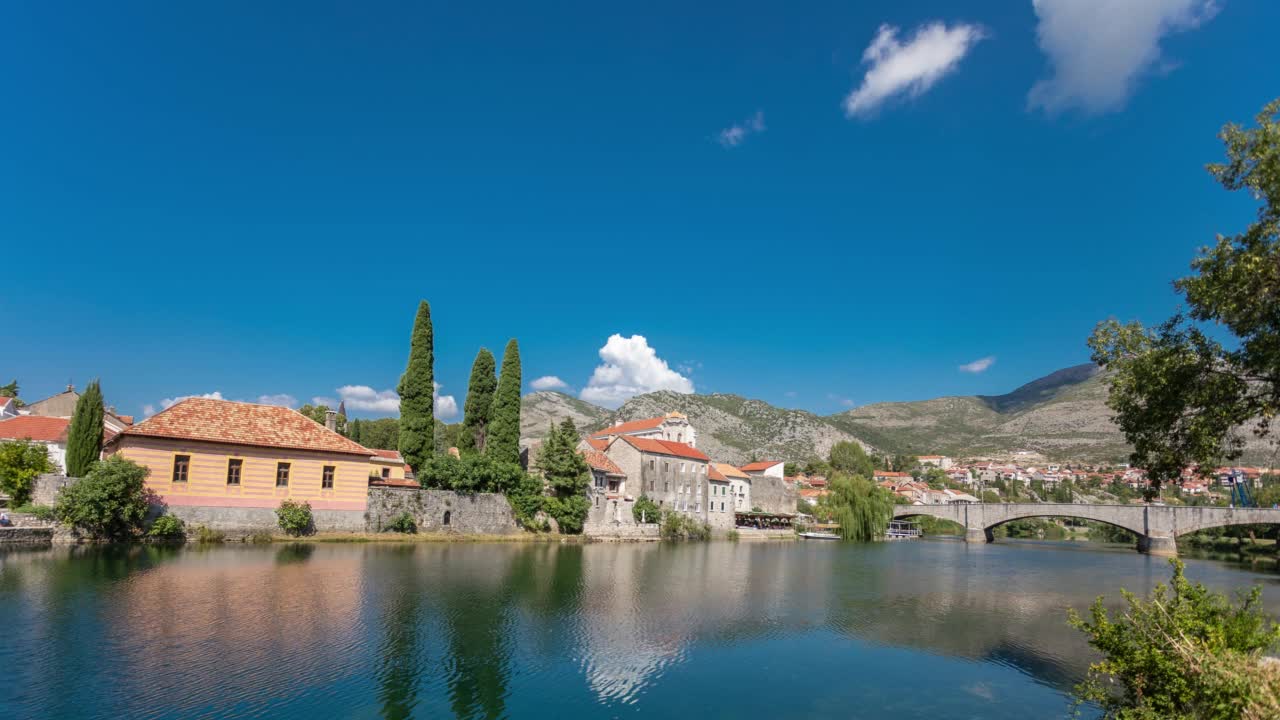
[(1157, 526)]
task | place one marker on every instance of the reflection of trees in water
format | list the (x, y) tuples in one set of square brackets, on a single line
[(400, 660)]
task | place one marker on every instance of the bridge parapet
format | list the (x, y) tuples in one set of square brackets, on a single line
[(1157, 526)]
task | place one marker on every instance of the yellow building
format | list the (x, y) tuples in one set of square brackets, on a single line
[(205, 454)]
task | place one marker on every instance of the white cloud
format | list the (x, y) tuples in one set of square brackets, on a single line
[(281, 399), (366, 399), (630, 368), (737, 133), (150, 409), (934, 51), (846, 402), (1099, 49), (980, 365), (548, 382)]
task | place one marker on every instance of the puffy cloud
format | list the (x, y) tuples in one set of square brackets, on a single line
[(737, 133), (980, 365), (281, 399), (365, 398), (1099, 49), (548, 382), (912, 68), (445, 405), (630, 368), (150, 409)]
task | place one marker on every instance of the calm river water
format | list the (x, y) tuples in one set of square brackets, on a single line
[(929, 629)]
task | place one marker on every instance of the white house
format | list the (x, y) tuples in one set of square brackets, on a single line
[(672, 427), (48, 431), (765, 468), (739, 486)]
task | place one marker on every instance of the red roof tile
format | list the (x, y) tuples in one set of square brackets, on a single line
[(35, 427), (630, 427), (243, 424), (5, 401), (598, 443), (128, 419), (600, 461), (730, 471), (388, 454), (714, 474), (761, 465), (665, 447)]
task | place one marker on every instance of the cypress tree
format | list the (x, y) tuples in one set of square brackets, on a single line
[(503, 438), (480, 390), (417, 394), (84, 437)]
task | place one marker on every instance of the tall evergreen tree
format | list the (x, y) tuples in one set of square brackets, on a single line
[(503, 438), (480, 390), (84, 437), (417, 394)]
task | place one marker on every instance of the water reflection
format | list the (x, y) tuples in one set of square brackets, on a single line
[(491, 631)]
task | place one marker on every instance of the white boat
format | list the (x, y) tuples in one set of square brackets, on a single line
[(812, 535)]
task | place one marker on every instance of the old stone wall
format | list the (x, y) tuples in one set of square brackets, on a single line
[(441, 511), (46, 488), (772, 495), (241, 521)]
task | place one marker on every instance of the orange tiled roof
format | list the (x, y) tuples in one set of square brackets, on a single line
[(35, 427), (598, 443), (600, 461), (812, 493), (761, 465), (128, 419), (714, 474), (630, 427), (243, 424), (890, 473), (666, 447), (730, 471), (388, 454), (5, 401)]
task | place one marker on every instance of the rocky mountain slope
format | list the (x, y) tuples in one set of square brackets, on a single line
[(1061, 416)]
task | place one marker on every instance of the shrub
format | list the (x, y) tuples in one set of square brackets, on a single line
[(259, 538), (677, 526), (404, 524), (732, 535), (295, 517), (527, 501), (167, 527), (645, 510), (207, 536), (570, 512), (110, 501), (42, 512), (20, 464), (1185, 652)]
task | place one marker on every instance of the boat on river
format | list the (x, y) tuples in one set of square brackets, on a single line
[(821, 531)]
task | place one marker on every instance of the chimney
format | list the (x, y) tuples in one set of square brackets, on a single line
[(331, 419)]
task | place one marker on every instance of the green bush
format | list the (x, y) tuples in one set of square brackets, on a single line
[(295, 517), (259, 538), (20, 464), (109, 502), (527, 501), (1183, 653), (470, 474), (570, 512), (167, 527), (677, 526), (42, 512), (645, 510), (404, 524)]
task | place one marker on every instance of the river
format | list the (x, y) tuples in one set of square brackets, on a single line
[(926, 629)]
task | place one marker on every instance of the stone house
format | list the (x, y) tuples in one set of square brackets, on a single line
[(941, 462), (765, 468), (672, 427), (720, 509), (739, 486), (388, 469), (672, 474), (48, 431), (611, 505), (228, 465)]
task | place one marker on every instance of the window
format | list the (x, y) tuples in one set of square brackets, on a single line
[(722, 506), (234, 466), (282, 474), (326, 477), (599, 480), (651, 463), (386, 473), (681, 467), (181, 467), (666, 466), (448, 516), (651, 484), (666, 486)]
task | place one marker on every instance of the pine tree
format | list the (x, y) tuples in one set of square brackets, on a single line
[(564, 468), (480, 390), (84, 437), (417, 394), (503, 438)]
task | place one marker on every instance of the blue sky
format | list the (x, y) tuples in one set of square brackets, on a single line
[(818, 206)]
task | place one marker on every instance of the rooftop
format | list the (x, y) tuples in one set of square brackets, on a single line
[(242, 423), (600, 461), (35, 427), (666, 447), (730, 471), (630, 427), (760, 465)]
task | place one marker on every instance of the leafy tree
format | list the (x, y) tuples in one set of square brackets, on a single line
[(449, 436), (567, 475), (1184, 653), (862, 509), (503, 438), (110, 501), (381, 434), (791, 469), (20, 464), (645, 510), (480, 391), (295, 517), (990, 496), (11, 391), (319, 413), (84, 437), (1179, 395), (849, 457), (417, 394)]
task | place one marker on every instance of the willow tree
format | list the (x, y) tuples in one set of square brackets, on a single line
[(503, 440), (1181, 396), (417, 394), (861, 508), (480, 390), (84, 437)]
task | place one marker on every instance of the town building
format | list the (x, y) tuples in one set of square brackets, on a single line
[(229, 464), (672, 427), (939, 461), (765, 468), (390, 470), (48, 431), (720, 509), (739, 486)]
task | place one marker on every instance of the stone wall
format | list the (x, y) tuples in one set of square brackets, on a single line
[(772, 495), (241, 521), (46, 488), (441, 511)]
